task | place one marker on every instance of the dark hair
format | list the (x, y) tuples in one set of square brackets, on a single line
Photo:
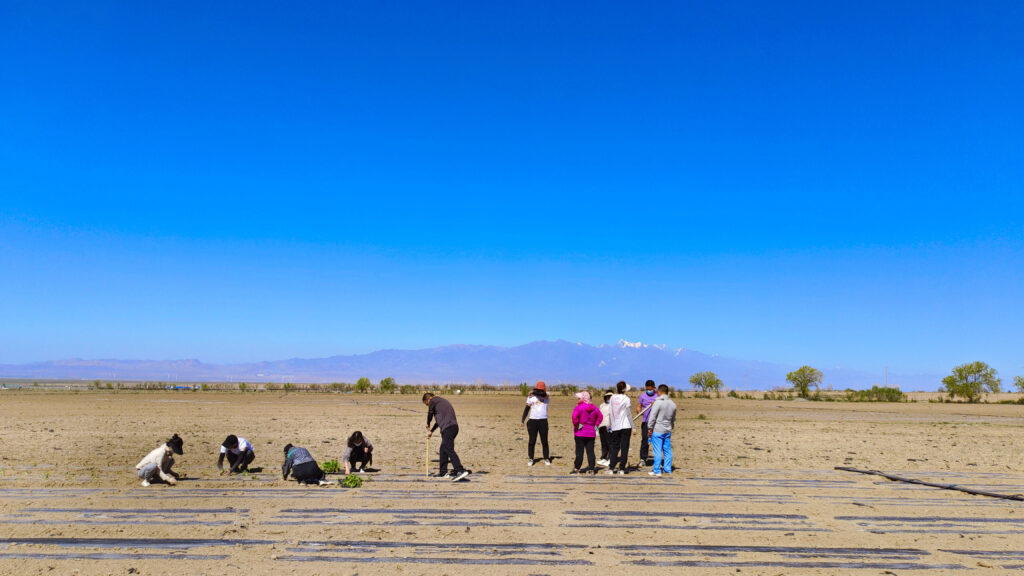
[(230, 442), (287, 447), (608, 393), (427, 396), (620, 387), (355, 438), (649, 384), (539, 393), (663, 388), (175, 443)]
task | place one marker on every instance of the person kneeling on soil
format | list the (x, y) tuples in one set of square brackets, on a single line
[(300, 463), (239, 453), (358, 454), (156, 466)]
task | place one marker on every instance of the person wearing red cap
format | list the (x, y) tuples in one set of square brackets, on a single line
[(537, 410)]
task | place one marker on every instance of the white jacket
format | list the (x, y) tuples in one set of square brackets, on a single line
[(618, 406), (162, 457)]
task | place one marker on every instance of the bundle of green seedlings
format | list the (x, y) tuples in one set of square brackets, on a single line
[(330, 467), (352, 481)]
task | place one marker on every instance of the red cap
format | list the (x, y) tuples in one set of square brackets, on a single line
[(541, 386)]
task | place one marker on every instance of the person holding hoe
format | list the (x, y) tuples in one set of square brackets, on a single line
[(441, 412)]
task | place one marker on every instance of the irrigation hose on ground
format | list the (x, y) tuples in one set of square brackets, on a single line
[(895, 478)]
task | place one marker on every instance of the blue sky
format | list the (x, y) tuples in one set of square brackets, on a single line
[(792, 182)]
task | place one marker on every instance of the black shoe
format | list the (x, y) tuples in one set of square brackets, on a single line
[(441, 475), (574, 472)]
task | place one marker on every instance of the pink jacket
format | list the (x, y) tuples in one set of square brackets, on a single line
[(585, 419)]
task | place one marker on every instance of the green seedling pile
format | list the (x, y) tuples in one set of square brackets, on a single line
[(330, 467), (352, 481)]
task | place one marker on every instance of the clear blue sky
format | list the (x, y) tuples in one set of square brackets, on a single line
[(792, 182)]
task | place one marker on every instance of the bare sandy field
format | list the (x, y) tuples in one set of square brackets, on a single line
[(755, 491)]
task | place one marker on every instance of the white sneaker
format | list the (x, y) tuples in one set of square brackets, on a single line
[(145, 482), (530, 463), (324, 483), (621, 472), (602, 462), (655, 474), (609, 472), (547, 462)]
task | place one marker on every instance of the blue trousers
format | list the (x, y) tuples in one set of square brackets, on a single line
[(662, 446)]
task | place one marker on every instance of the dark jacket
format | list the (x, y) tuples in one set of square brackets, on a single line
[(441, 411)]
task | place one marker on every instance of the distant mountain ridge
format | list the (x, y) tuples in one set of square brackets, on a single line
[(552, 361)]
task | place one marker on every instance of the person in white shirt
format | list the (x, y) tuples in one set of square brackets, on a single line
[(239, 453), (156, 466), (602, 429), (621, 426), (537, 410)]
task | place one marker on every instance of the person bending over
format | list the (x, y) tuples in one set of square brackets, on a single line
[(302, 466), (358, 454), (537, 410), (441, 412), (239, 453), (156, 466)]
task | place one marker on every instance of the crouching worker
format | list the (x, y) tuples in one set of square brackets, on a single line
[(156, 466), (239, 453), (300, 463), (358, 454)]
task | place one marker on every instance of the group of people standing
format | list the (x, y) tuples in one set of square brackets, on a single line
[(612, 422)]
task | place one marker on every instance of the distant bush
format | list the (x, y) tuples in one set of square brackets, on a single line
[(242, 386), (524, 389), (1018, 383), (288, 387), (744, 396), (363, 385), (338, 387), (779, 395), (876, 394), (567, 389), (388, 385), (407, 389)]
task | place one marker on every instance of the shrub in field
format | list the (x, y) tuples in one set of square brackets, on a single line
[(242, 386), (330, 467), (707, 383), (567, 389), (803, 379), (1018, 383), (352, 481), (969, 381), (388, 385), (288, 387), (524, 389), (876, 394), (407, 389), (363, 385), (338, 387)]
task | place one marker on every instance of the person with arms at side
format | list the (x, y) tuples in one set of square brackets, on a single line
[(662, 422), (239, 453), (643, 404), (602, 430), (300, 464), (585, 419), (621, 427), (441, 412), (358, 453), (537, 425)]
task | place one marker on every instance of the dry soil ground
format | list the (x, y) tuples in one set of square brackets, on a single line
[(755, 491)]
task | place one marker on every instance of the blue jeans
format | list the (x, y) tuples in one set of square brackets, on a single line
[(662, 445)]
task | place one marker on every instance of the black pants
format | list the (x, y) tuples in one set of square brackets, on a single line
[(645, 444), (246, 457), (584, 443), (534, 427), (307, 473), (447, 452), (605, 444), (360, 458), (620, 448)]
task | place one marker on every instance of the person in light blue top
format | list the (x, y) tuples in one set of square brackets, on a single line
[(662, 421)]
